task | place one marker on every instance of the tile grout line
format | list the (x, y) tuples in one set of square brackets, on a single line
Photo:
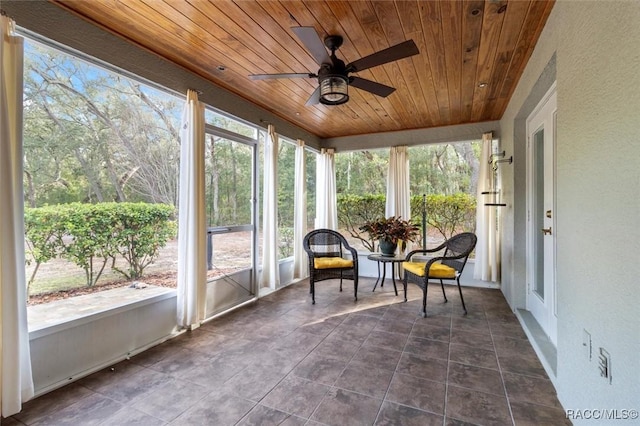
[(384, 398), (332, 386), (289, 374), (446, 381), (504, 386)]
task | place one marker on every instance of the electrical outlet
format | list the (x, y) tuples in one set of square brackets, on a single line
[(586, 344), (604, 364)]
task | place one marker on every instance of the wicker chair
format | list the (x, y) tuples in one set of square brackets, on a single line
[(326, 249), (449, 266)]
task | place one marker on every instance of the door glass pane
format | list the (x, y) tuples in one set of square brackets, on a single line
[(229, 208), (228, 166), (538, 211)]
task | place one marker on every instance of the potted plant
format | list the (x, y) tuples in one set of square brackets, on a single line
[(388, 231)]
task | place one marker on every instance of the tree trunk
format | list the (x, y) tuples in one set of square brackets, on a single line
[(466, 152), (31, 192), (89, 173), (215, 179), (234, 188), (113, 176)]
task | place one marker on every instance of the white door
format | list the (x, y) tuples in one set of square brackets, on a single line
[(541, 213)]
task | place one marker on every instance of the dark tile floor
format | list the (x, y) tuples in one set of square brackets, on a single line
[(285, 361)]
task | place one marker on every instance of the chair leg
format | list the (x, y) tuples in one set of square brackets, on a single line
[(341, 284), (355, 288), (404, 284), (313, 293), (461, 298), (443, 293), (424, 300)]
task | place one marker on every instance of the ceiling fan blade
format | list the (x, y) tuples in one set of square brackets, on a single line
[(371, 86), (284, 75), (393, 53), (314, 98), (311, 40)]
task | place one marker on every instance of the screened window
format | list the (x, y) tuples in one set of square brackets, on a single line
[(286, 196), (94, 142), (310, 164), (447, 176)]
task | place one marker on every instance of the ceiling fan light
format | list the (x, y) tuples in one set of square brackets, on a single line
[(334, 90)]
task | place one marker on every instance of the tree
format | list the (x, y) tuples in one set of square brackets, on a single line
[(363, 172), (355, 210), (93, 136)]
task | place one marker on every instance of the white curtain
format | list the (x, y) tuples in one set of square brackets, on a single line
[(398, 197), (15, 368), (487, 263), (192, 231), (270, 276), (300, 264), (326, 204)]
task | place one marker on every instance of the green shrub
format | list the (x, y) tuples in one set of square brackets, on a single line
[(140, 230), (90, 238), (44, 234), (90, 235)]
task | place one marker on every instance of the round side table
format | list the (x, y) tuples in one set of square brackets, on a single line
[(382, 259)]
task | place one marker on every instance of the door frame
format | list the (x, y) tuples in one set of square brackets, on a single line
[(544, 114), (246, 278)]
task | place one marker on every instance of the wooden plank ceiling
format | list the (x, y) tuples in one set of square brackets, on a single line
[(472, 53)]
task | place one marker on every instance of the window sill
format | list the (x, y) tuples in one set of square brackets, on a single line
[(50, 318)]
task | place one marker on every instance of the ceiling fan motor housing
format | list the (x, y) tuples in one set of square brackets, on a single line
[(333, 75), (334, 82), (333, 42)]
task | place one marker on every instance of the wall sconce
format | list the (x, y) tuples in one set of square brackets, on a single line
[(496, 159)]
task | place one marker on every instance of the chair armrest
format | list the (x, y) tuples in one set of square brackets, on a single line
[(440, 258), (353, 251), (413, 252), (423, 251)]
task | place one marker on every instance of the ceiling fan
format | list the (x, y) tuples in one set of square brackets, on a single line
[(333, 75)]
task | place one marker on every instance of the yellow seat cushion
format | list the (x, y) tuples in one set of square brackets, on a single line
[(331, 262), (437, 270)]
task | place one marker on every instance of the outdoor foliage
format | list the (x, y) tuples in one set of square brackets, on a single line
[(449, 214), (228, 182), (44, 232), (139, 231), (356, 210), (94, 136), (91, 235), (285, 247), (433, 169)]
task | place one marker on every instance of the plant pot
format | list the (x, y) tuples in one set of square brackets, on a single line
[(387, 248)]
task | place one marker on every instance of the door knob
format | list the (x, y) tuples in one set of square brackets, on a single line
[(546, 231)]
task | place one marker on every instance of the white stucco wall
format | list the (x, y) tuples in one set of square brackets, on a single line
[(597, 66)]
